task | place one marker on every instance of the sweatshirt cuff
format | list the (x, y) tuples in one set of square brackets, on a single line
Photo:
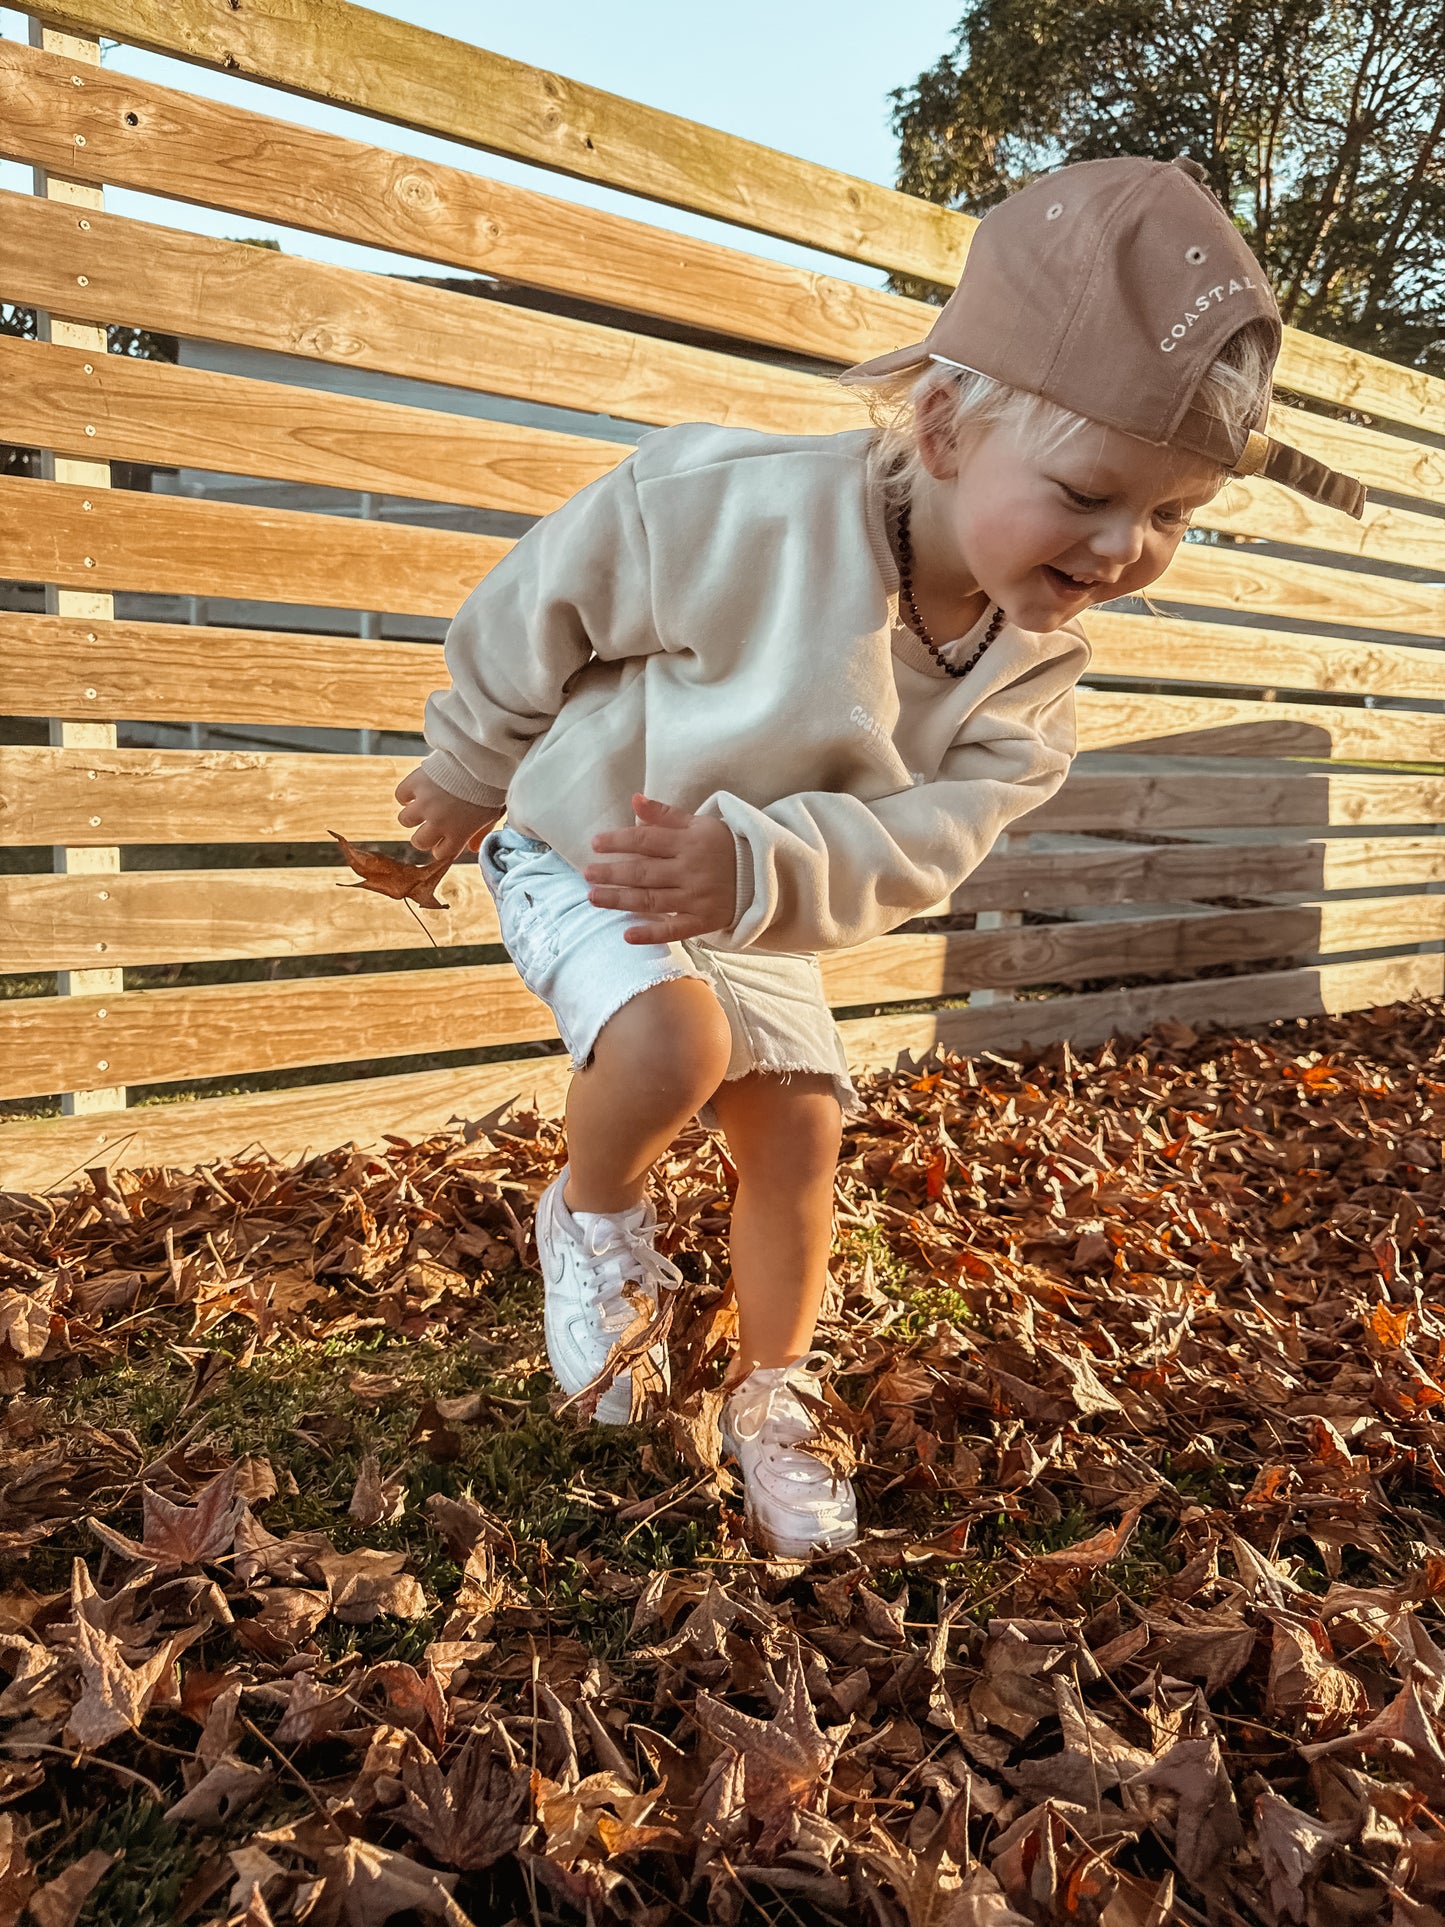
[(450, 775), (745, 882)]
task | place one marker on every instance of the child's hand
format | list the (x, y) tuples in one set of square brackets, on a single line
[(439, 821), (680, 874)]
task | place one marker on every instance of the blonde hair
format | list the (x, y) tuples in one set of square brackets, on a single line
[(1236, 388)]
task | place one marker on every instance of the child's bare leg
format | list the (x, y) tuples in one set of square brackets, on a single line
[(657, 1061), (784, 1136)]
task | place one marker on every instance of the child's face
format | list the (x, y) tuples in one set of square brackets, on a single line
[(1046, 535)]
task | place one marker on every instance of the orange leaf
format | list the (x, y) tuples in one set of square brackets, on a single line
[(390, 877), (936, 1173), (1388, 1326)]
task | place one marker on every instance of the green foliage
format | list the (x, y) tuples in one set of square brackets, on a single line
[(1321, 127), (154, 1861)]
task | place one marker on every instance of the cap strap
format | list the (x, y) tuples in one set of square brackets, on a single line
[(1292, 468)]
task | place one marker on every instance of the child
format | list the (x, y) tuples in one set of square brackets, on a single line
[(794, 687)]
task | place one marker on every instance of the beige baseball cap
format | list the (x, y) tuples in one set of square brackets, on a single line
[(1110, 287)]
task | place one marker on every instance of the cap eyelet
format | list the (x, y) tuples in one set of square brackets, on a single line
[(1055, 211), (1196, 256)]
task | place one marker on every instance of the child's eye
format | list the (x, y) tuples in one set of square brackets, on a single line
[(1083, 501)]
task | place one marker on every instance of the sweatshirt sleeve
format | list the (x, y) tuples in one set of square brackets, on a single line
[(824, 870), (575, 586)]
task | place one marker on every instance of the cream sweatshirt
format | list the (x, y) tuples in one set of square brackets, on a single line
[(715, 624)]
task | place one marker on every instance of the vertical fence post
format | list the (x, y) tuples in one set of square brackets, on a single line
[(100, 863), (997, 920)]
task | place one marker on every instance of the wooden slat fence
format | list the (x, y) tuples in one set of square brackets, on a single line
[(1252, 823)]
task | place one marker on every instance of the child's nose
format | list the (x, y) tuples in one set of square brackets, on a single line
[(1119, 539)]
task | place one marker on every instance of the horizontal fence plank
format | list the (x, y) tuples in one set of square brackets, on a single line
[(172, 672), (175, 672), (147, 276), (1264, 586), (52, 1152), (113, 269), (1350, 378), (122, 796), (116, 408), (1144, 873), (1382, 534), (191, 916), (123, 539), (142, 917), (168, 545), (163, 141), (1169, 648), (142, 1037), (393, 71), (1158, 804), (1223, 726)]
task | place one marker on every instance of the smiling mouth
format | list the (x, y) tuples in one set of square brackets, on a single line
[(1068, 584)]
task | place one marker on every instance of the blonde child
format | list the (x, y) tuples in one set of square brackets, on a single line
[(752, 697)]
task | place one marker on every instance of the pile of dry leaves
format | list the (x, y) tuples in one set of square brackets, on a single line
[(316, 1609)]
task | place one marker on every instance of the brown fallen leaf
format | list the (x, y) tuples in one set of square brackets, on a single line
[(786, 1760), (376, 1501), (392, 877), (59, 1901), (472, 1815), (376, 1883), (174, 1536)]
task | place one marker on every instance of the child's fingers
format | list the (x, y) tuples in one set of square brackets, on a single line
[(625, 896), (642, 840)]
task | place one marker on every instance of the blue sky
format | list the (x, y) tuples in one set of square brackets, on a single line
[(810, 78)]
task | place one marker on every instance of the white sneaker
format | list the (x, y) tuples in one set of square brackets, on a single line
[(793, 1504), (586, 1258)]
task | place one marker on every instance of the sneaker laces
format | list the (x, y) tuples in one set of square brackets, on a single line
[(767, 1401), (623, 1254)]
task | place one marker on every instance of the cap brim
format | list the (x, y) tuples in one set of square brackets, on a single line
[(896, 363)]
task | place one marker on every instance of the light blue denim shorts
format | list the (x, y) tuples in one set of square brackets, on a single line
[(573, 955)]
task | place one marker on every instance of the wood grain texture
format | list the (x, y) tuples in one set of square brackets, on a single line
[(331, 50), (1227, 726), (1168, 648), (49, 1153), (1266, 587), (195, 916), (1383, 534), (174, 672), (192, 916), (125, 796), (147, 276), (148, 411), (150, 1036), (163, 141), (167, 545)]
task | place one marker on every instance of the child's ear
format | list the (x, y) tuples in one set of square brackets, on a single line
[(937, 436)]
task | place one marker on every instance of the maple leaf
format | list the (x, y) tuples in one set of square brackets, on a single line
[(786, 1760), (174, 1536), (391, 877), (115, 1694)]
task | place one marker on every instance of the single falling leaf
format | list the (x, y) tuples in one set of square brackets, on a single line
[(390, 876)]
